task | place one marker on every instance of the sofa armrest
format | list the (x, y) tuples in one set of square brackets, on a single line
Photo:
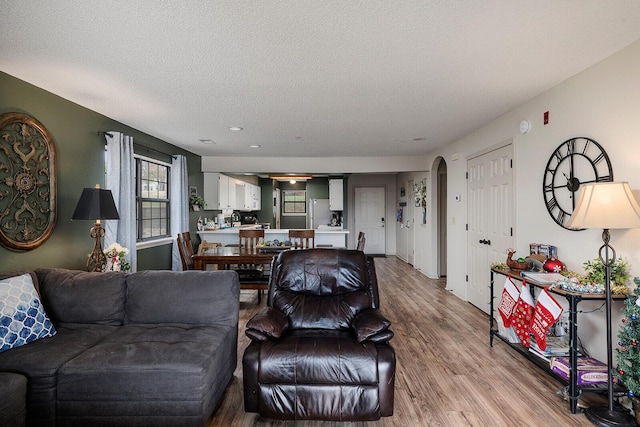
[(371, 325), (266, 324)]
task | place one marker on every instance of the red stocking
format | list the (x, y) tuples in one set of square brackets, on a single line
[(508, 301), (522, 314), (547, 311)]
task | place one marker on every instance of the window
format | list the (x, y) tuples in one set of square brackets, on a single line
[(294, 202), (152, 199)]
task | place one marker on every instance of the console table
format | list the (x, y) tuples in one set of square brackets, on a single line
[(573, 298)]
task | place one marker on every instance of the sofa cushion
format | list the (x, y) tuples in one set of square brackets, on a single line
[(73, 296), (13, 389), (40, 360), (22, 317), (193, 297), (318, 357), (150, 370)]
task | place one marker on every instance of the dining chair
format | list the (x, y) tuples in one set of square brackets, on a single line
[(185, 248), (252, 276), (361, 241), (249, 238), (302, 239), (204, 245)]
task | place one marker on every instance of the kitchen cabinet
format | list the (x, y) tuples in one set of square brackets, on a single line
[(336, 196), (224, 192), (219, 191), (255, 195)]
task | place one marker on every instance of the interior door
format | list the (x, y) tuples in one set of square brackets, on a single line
[(490, 219), (369, 206)]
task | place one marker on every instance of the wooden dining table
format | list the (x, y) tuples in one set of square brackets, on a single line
[(232, 255)]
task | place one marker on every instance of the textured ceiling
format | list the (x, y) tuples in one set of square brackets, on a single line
[(308, 78)]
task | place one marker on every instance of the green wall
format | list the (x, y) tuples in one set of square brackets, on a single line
[(80, 163)]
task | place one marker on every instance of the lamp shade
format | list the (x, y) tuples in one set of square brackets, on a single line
[(606, 205), (96, 203)]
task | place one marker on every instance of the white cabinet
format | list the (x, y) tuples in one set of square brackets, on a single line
[(211, 192), (254, 197), (335, 195), (219, 191), (224, 192)]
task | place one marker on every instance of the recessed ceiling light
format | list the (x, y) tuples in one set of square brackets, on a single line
[(207, 141), (235, 128), (254, 146)]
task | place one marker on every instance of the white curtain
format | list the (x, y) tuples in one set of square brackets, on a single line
[(179, 206), (120, 180)]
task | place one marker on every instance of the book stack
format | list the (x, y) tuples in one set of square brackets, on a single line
[(556, 347), (549, 251)]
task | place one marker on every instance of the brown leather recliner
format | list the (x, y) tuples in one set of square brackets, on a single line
[(320, 348)]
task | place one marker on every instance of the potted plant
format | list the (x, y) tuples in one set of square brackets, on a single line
[(619, 273), (196, 203)]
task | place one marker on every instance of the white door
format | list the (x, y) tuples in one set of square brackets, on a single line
[(369, 204), (490, 219), (409, 221)]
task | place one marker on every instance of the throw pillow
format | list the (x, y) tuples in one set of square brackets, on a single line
[(22, 317)]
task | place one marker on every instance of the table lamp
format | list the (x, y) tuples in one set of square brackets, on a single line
[(607, 205), (96, 203)]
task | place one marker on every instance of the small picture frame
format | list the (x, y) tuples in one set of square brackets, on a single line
[(193, 191), (402, 191)]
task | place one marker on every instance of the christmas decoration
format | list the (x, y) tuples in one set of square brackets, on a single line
[(547, 311), (628, 352), (521, 318), (553, 265), (508, 301)]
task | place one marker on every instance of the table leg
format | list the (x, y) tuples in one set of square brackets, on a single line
[(574, 392)]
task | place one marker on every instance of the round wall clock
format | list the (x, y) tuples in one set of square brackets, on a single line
[(575, 162)]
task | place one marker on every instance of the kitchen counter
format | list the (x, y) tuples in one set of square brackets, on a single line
[(334, 237)]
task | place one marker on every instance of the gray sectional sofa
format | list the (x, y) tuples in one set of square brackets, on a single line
[(154, 348)]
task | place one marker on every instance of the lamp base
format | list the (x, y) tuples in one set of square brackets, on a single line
[(97, 259), (602, 416)]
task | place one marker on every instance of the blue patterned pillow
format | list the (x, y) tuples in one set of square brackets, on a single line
[(22, 317)]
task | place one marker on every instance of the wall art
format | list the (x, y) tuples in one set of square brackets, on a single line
[(27, 182)]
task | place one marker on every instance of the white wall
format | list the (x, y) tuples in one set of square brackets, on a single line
[(602, 103)]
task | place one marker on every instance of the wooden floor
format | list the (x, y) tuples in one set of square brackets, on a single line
[(447, 375)]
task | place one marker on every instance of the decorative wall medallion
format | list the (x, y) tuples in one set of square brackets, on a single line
[(27, 182)]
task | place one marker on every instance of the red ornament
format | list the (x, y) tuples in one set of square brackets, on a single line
[(621, 372), (634, 343), (553, 265)]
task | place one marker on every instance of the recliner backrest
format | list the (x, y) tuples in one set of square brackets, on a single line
[(322, 288)]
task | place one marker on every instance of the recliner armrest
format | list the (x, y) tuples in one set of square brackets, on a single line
[(371, 325), (266, 324)]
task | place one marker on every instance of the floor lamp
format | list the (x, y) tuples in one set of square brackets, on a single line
[(607, 205), (96, 203)]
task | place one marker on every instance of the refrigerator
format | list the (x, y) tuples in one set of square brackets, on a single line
[(319, 213)]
